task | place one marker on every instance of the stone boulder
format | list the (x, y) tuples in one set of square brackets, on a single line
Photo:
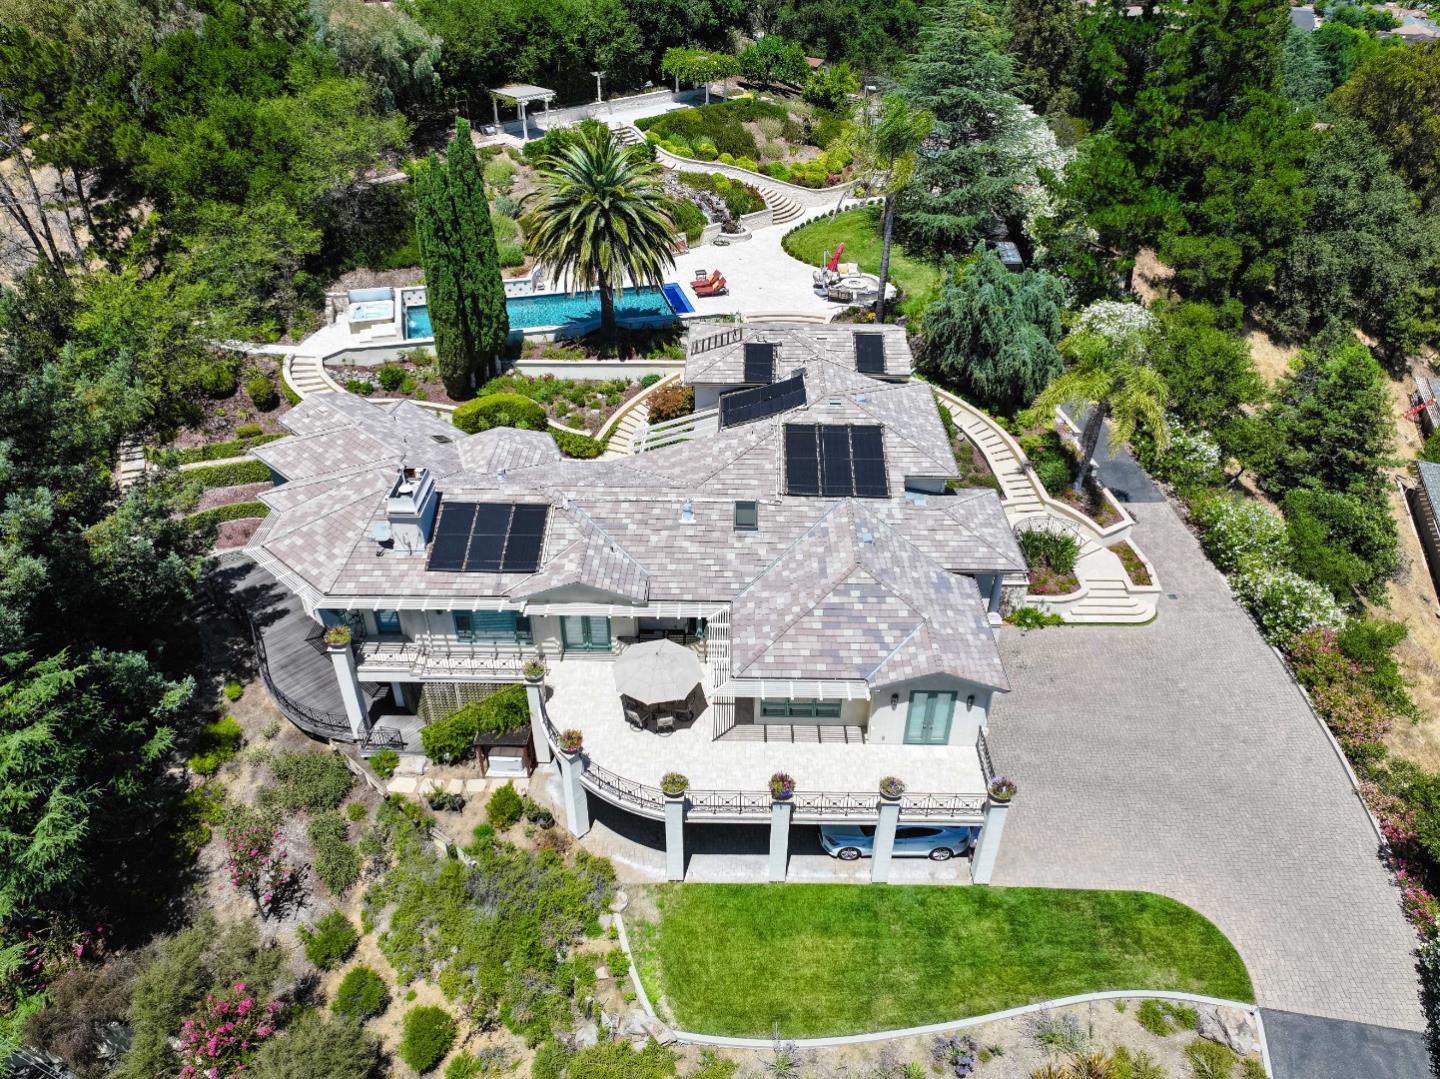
[(659, 1031), (1231, 1027), (620, 902), (586, 1035)]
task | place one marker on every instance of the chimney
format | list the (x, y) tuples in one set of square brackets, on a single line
[(410, 510), (687, 512)]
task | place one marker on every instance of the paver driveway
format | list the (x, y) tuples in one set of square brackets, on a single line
[(1179, 758)]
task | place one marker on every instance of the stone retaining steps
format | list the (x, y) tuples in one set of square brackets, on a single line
[(622, 441), (306, 375)]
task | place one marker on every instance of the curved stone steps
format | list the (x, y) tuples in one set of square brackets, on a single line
[(622, 440), (783, 209), (306, 375)]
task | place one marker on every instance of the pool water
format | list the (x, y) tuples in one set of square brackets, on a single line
[(561, 308)]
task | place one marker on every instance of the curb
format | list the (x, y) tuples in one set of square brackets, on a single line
[(939, 1028)]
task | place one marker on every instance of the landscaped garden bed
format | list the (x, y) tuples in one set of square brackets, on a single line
[(1055, 468), (584, 405), (240, 406), (974, 469), (817, 960), (784, 139), (1133, 563)]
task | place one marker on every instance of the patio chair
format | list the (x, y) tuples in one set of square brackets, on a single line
[(665, 724), (634, 718), (711, 287), (701, 275)]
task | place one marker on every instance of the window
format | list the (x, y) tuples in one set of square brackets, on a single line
[(928, 721), (387, 623), (747, 516), (585, 633), (800, 709), (486, 627)]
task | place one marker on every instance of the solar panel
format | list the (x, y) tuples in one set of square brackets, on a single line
[(835, 461), (870, 353), (762, 402), (759, 363), (488, 537)]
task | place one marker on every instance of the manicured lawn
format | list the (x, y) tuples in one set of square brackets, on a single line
[(859, 231), (828, 959)]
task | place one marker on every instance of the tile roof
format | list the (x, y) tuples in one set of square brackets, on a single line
[(716, 355)]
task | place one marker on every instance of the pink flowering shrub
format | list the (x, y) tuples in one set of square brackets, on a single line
[(219, 1042), (50, 950), (258, 866), (1339, 688)]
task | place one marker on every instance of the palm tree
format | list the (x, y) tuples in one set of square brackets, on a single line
[(886, 152), (599, 220), (1108, 371)]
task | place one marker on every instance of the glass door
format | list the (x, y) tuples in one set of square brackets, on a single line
[(928, 721), (585, 633)]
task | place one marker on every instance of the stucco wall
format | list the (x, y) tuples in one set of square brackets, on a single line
[(887, 722)]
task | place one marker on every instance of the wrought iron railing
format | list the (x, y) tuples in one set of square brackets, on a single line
[(626, 792), (423, 657), (729, 803), (987, 766), (718, 340), (333, 725)]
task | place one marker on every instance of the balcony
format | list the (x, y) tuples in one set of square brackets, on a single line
[(379, 659), (729, 778)]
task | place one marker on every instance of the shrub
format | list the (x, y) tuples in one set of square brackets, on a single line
[(1345, 541), (579, 446), (1053, 465), (499, 410), (337, 863), (671, 402), (505, 206), (233, 690), (384, 763), (1033, 618), (248, 430), (689, 219), (1191, 457), (648, 380), (451, 739), (466, 1066), (218, 742), (510, 254), (429, 1033), (362, 994), (1284, 604), (362, 386), (262, 392), (331, 941), (1056, 551), (391, 376), (309, 781), (440, 799), (500, 174), (1237, 532), (356, 811), (229, 475), (218, 379), (549, 1062), (1209, 1060), (233, 511), (504, 807), (504, 710)]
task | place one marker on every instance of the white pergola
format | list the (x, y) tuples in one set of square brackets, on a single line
[(520, 95)]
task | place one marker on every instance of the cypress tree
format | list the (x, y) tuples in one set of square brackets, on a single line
[(465, 295)]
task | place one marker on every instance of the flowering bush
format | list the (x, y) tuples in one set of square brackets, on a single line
[(1422, 908), (1284, 603), (1191, 457), (1237, 532), (571, 741), (220, 1041), (337, 636), (1112, 319), (1002, 788), (674, 784), (782, 786), (257, 864), (959, 1053)]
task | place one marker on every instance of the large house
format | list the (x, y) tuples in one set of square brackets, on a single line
[(801, 537)]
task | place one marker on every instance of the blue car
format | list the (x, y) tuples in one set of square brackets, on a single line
[(937, 842)]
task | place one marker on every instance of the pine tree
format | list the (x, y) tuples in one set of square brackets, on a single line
[(464, 293)]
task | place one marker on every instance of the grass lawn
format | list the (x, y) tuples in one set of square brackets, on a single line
[(859, 231), (828, 959)]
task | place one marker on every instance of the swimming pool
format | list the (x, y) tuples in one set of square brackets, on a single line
[(562, 308)]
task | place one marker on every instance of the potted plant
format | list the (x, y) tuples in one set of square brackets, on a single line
[(534, 670), (338, 636), (571, 740), (1002, 789), (782, 787), (674, 785), (891, 788)]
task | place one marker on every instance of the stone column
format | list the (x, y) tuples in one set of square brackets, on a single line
[(996, 585), (987, 847), (495, 105), (524, 124), (884, 840), (577, 805), (349, 682), (780, 813), (535, 698), (675, 838)]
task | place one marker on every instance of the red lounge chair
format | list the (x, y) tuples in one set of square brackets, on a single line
[(713, 286)]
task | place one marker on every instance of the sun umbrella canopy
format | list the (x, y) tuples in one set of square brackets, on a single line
[(657, 672)]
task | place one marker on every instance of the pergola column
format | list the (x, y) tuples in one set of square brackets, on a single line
[(535, 698), (524, 124), (348, 679), (884, 847), (780, 813), (577, 805), (495, 105), (675, 838), (987, 847)]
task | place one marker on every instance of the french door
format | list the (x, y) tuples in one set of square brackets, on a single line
[(928, 721), (585, 633)]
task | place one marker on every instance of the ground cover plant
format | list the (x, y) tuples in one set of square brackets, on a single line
[(856, 959), (917, 279)]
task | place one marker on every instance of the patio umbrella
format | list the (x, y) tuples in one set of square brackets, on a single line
[(657, 672)]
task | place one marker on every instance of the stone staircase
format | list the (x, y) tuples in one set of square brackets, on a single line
[(130, 463), (783, 207), (622, 440), (1109, 601), (306, 375)]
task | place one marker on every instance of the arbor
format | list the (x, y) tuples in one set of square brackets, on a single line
[(699, 67), (773, 60), (1045, 42), (464, 292), (886, 156), (1396, 94), (974, 161), (1364, 248), (1108, 370), (992, 333), (599, 220)]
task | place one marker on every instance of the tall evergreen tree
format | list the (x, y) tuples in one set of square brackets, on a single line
[(464, 293), (1045, 42), (968, 175)]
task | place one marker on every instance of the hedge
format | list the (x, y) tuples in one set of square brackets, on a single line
[(573, 445), (230, 475), (235, 511), (216, 451), (500, 410)]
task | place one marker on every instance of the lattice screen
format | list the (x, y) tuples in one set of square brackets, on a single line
[(439, 699)]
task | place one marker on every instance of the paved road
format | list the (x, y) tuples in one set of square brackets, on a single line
[(1306, 1047), (1179, 758)]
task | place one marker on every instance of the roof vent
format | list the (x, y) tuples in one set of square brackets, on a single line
[(687, 512), (410, 510), (866, 537)]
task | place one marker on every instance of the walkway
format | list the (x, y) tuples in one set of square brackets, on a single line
[(1179, 758), (1307, 1047), (1112, 597)]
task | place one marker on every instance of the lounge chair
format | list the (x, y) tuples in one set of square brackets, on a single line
[(701, 275), (711, 287)]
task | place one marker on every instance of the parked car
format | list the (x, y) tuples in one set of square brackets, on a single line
[(938, 842)]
